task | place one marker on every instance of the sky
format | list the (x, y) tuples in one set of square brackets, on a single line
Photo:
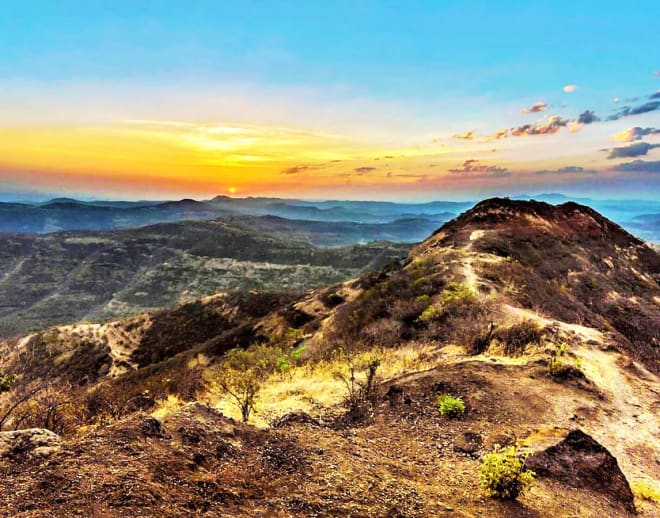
[(414, 100)]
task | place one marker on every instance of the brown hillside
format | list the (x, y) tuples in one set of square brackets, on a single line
[(543, 319)]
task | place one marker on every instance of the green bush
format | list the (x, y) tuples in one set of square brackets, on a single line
[(503, 475), (297, 354), (428, 314), (282, 364), (456, 292), (451, 406), (556, 363)]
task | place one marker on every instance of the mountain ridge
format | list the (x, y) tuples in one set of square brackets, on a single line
[(510, 307)]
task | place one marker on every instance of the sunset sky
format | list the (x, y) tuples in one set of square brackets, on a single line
[(415, 100)]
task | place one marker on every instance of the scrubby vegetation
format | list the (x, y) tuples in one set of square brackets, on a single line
[(560, 367), (359, 378), (517, 337), (243, 372), (54, 405), (556, 363), (7, 381), (503, 475), (418, 302), (328, 381), (99, 276), (451, 406)]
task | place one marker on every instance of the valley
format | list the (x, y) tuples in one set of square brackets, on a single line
[(69, 276)]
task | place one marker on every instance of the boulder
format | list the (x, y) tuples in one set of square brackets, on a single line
[(581, 462), (33, 442)]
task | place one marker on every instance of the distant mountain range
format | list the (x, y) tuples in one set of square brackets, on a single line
[(404, 222)]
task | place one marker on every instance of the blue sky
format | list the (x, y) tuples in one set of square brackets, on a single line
[(388, 75), (462, 46)]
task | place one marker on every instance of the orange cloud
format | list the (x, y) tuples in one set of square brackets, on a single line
[(469, 135), (635, 133), (534, 108)]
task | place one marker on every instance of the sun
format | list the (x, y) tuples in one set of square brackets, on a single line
[(232, 190)]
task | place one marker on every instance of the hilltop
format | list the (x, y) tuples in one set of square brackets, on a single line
[(543, 319)]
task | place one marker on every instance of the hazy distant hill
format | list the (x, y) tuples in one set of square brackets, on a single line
[(341, 210), (69, 276), (66, 214), (407, 222), (339, 233), (647, 226)]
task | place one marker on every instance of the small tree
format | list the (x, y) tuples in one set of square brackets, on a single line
[(243, 374), (360, 381), (19, 397), (503, 475), (54, 405)]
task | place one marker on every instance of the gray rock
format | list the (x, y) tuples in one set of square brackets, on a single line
[(33, 442)]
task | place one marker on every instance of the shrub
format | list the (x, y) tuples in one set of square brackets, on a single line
[(556, 363), (7, 381), (456, 291), (55, 406), (283, 364), (481, 342), (331, 300), (515, 338), (297, 354), (428, 314), (383, 331), (451, 406), (114, 399), (361, 386), (295, 334), (503, 475)]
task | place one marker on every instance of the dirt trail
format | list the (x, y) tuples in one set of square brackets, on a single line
[(628, 418), (630, 422), (472, 280)]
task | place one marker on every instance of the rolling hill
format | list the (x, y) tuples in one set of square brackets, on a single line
[(544, 320), (69, 276)]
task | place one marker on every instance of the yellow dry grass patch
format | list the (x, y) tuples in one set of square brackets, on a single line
[(646, 490), (543, 437), (167, 406), (315, 386)]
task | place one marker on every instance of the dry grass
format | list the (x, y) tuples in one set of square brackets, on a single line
[(167, 407), (646, 490), (314, 386)]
